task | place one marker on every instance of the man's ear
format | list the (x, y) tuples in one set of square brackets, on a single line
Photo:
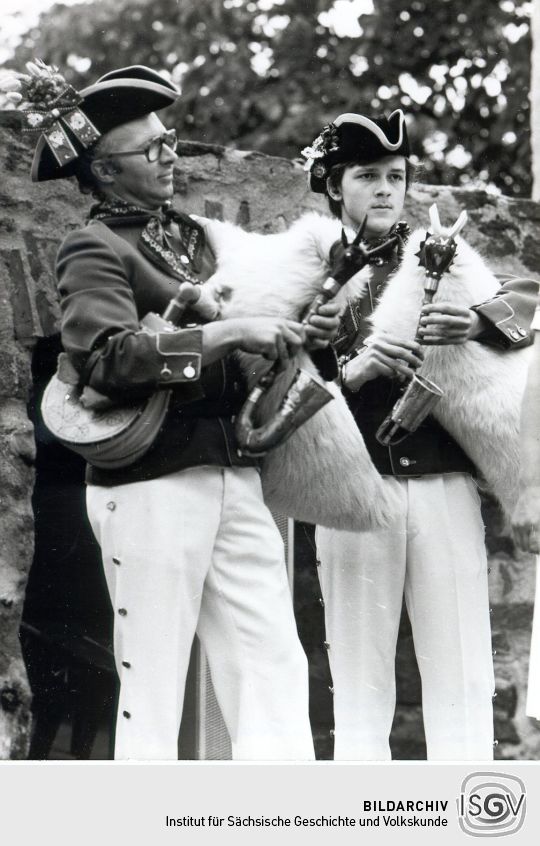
[(333, 192), (103, 170)]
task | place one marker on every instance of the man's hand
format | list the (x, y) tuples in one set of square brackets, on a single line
[(445, 323), (272, 337), (384, 355), (322, 326), (526, 520)]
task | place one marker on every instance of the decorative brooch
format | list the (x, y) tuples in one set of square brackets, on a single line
[(324, 144)]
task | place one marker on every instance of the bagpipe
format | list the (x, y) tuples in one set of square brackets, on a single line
[(315, 466), (421, 394), (319, 471), (474, 390), (307, 393)]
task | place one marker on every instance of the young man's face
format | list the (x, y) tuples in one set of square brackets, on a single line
[(376, 190), (137, 180)]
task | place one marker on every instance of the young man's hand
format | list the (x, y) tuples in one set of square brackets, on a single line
[(445, 323), (323, 326), (384, 355)]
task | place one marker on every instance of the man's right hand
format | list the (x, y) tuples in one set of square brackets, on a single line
[(384, 355), (271, 337)]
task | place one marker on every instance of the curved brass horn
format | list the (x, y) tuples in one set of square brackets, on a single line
[(307, 393), (305, 396)]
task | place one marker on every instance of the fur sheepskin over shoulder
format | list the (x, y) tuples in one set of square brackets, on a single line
[(483, 386), (323, 473)]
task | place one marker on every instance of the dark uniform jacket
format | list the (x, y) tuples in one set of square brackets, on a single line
[(506, 321), (107, 285)]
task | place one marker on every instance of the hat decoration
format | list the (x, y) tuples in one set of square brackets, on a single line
[(325, 143), (50, 105)]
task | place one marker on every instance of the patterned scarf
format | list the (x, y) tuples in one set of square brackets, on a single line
[(401, 231), (154, 241)]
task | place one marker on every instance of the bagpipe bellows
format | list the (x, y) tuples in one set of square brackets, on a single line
[(483, 386), (323, 473)]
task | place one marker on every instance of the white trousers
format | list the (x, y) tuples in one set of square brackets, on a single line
[(198, 552), (533, 690), (434, 553)]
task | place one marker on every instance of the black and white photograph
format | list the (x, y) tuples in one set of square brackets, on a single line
[(270, 395)]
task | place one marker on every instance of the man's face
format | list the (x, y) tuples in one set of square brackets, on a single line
[(138, 181), (376, 190)]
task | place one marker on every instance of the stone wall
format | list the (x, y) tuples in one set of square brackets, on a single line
[(264, 194), (535, 99)]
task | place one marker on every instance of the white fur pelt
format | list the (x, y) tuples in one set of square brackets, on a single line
[(482, 386), (323, 473)]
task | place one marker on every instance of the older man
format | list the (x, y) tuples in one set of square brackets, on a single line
[(188, 545)]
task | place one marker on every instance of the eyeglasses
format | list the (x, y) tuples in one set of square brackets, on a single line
[(153, 149)]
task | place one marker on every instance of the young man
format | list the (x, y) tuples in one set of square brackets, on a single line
[(187, 543), (434, 550)]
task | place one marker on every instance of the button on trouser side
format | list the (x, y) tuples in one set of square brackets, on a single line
[(200, 550), (434, 553)]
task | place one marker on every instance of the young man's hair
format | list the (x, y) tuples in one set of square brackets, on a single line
[(336, 175)]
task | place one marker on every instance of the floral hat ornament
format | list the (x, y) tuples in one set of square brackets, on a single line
[(49, 105), (325, 143), (68, 121), (352, 137)]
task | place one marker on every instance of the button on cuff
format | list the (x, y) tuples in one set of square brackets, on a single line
[(406, 462), (181, 355)]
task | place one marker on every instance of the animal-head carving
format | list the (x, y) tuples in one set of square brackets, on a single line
[(438, 249), (348, 258)]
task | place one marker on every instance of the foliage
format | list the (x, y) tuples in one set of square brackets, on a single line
[(267, 74)]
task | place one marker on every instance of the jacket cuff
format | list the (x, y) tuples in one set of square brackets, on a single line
[(501, 326), (180, 355)]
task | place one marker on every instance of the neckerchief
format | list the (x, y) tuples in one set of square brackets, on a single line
[(154, 241), (401, 231)]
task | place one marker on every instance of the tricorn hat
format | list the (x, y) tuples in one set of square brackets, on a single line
[(74, 120), (351, 138)]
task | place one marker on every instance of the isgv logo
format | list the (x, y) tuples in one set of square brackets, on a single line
[(491, 804)]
